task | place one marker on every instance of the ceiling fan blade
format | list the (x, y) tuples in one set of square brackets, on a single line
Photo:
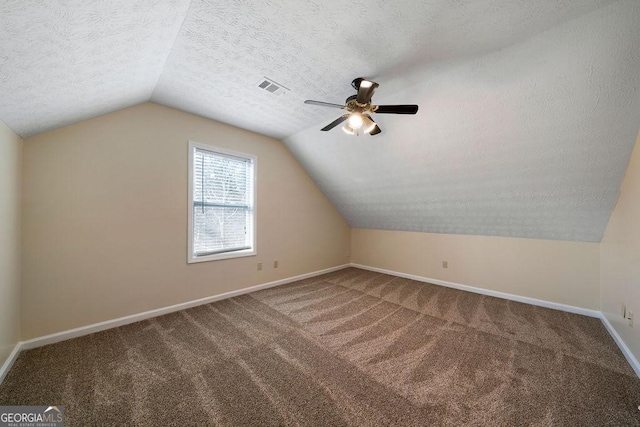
[(365, 91), (395, 109), (376, 130), (335, 123), (323, 104)]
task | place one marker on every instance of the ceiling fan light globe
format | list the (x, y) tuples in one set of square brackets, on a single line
[(355, 121), (348, 130), (368, 123)]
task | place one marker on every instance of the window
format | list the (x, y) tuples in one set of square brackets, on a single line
[(221, 203)]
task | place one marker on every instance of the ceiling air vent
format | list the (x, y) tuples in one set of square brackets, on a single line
[(271, 86)]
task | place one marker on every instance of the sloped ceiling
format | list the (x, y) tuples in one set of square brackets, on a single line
[(529, 141), (528, 109), (62, 62)]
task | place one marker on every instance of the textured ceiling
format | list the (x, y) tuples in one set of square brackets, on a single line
[(65, 61), (529, 141), (528, 109)]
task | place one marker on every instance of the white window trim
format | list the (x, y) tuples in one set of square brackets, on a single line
[(191, 258)]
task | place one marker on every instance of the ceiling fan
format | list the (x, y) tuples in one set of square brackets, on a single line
[(359, 106)]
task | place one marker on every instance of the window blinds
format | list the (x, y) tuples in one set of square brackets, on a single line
[(222, 203)]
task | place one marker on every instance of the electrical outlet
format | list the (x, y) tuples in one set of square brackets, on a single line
[(624, 311), (259, 266), (275, 264), (630, 317), (445, 264)]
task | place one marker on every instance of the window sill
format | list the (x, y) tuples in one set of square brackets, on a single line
[(217, 257)]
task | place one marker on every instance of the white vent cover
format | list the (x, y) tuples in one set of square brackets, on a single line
[(271, 86)]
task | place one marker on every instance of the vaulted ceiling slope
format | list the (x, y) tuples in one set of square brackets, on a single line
[(528, 109), (529, 141), (62, 62)]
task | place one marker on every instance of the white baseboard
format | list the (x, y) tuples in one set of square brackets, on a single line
[(114, 323), (10, 360), (497, 294), (623, 347)]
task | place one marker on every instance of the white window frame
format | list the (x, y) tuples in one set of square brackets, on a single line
[(191, 258)]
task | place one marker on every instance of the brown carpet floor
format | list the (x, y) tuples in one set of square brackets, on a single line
[(351, 347)]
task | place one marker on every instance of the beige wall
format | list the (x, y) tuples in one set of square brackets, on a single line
[(10, 166), (557, 271), (620, 257), (105, 219)]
